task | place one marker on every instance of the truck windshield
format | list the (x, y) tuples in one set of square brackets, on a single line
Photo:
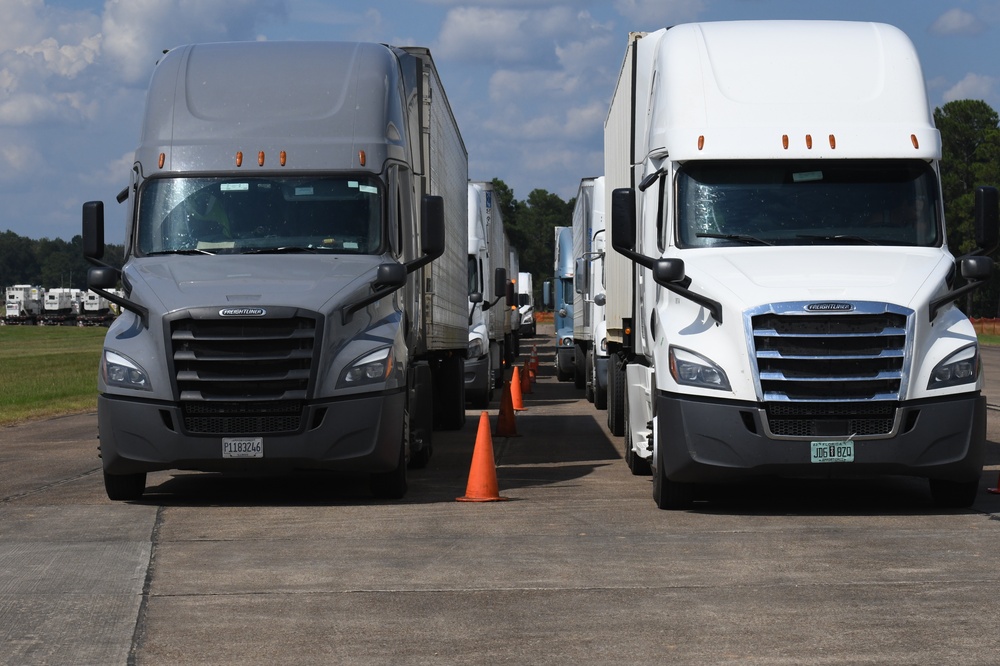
[(760, 203), (245, 215)]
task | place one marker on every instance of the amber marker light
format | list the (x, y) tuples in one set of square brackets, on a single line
[(361, 157), (913, 140), (239, 158), (784, 141), (833, 142), (701, 142), (809, 141), (260, 158), (163, 158), (282, 158)]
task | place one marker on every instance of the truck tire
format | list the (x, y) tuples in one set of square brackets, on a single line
[(954, 494), (616, 397), (125, 487), (391, 485), (449, 393)]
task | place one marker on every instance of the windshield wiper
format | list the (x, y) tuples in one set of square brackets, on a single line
[(288, 249), (843, 238), (749, 240), (188, 251)]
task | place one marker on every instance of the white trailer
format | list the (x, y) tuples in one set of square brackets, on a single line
[(296, 224), (23, 304), (794, 304), (60, 307)]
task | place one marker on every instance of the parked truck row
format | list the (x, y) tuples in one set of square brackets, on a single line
[(780, 299), (30, 305)]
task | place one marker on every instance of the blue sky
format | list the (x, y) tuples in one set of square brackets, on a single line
[(529, 80)]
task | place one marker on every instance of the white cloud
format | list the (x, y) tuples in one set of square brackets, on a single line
[(957, 22), (973, 86), (655, 14), (492, 35), (137, 31)]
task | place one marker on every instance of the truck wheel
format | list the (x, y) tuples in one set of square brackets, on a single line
[(123, 487), (670, 494), (616, 397), (391, 485), (953, 494)]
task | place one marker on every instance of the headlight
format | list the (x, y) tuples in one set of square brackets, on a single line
[(604, 345), (692, 369), (121, 371), (475, 348), (369, 369), (962, 367)]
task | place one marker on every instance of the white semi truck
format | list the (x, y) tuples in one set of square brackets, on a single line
[(589, 337), (295, 292), (489, 318), (794, 298)]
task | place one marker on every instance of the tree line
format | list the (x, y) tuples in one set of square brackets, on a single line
[(970, 136)]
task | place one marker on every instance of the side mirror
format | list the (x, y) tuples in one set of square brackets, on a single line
[(580, 275), (476, 297), (668, 271), (390, 275), (93, 230), (432, 227), (500, 283), (511, 294), (623, 219), (987, 219), (102, 277), (600, 300), (976, 267), (547, 294)]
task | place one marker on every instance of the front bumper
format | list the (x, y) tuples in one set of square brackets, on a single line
[(357, 434), (704, 441)]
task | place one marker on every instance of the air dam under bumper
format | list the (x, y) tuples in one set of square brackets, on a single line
[(356, 434), (705, 441)]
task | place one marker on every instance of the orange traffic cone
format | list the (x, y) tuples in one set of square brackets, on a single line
[(505, 420), (525, 380), (995, 491), (515, 392), (482, 485)]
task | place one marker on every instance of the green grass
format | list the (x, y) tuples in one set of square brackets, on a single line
[(48, 371)]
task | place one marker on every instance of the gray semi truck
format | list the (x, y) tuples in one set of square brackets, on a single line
[(294, 292)]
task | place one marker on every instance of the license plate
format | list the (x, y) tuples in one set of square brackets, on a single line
[(832, 452), (242, 447)]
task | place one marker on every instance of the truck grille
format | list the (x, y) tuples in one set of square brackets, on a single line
[(242, 376), (831, 372)]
